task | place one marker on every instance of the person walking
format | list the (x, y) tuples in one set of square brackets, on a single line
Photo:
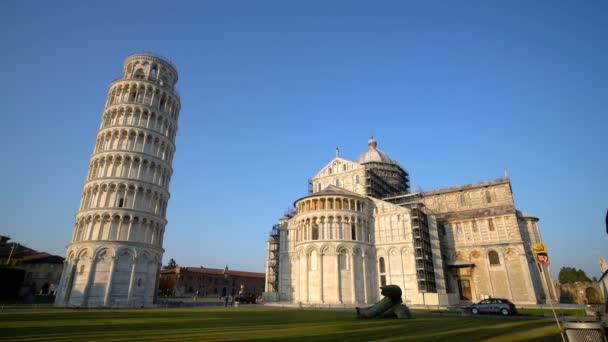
[(226, 301)]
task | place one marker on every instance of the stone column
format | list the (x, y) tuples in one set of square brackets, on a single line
[(119, 230), (131, 281), (339, 280), (129, 229), (364, 266), (85, 295), (321, 277), (352, 278), (106, 299), (307, 270)]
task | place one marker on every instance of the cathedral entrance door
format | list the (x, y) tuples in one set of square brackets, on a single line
[(464, 287)]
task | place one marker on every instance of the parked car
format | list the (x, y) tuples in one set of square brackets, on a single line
[(493, 305)]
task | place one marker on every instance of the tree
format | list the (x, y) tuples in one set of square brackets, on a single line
[(571, 275), (172, 264)]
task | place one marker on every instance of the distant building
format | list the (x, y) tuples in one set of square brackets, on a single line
[(201, 281), (360, 227), (12, 252), (42, 272)]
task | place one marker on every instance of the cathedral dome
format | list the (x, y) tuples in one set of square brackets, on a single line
[(373, 154)]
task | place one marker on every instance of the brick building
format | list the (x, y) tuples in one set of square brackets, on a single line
[(202, 281)]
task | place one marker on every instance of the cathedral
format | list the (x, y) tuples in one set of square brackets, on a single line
[(361, 227)]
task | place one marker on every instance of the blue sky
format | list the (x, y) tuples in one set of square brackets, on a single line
[(456, 91)]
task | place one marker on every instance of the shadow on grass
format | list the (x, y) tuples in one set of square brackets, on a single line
[(257, 324)]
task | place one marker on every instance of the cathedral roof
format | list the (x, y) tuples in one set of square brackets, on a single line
[(334, 190), (373, 154), (331, 190), (525, 215)]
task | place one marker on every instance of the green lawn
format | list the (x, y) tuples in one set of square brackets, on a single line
[(549, 312), (258, 324)]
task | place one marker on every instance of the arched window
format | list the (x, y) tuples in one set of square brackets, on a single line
[(315, 231), (488, 196), (493, 257), (382, 267), (329, 170), (343, 167), (356, 179), (353, 231), (337, 182)]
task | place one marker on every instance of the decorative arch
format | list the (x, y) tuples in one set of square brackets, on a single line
[(125, 251), (84, 253), (341, 247), (106, 249), (310, 249), (327, 250)]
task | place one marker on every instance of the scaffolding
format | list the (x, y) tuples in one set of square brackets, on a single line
[(425, 272), (273, 258), (382, 180)]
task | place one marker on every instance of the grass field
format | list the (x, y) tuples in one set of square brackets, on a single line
[(258, 324), (548, 312)]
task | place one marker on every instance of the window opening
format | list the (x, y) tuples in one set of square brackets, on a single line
[(315, 231), (493, 257)]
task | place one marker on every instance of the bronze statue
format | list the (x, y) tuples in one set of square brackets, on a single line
[(390, 306)]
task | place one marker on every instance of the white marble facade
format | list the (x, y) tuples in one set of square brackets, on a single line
[(116, 250), (340, 244)]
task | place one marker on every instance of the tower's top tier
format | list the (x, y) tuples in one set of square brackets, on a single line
[(150, 67)]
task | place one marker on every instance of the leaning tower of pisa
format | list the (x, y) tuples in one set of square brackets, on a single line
[(116, 249)]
